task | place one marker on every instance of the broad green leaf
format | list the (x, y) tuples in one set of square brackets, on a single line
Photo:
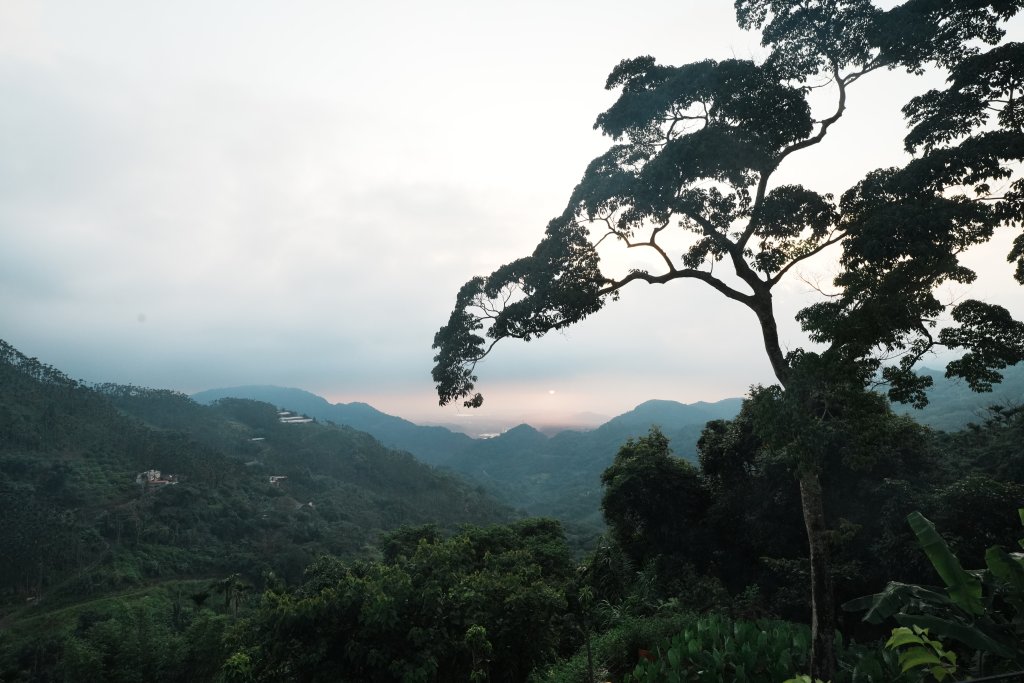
[(862, 603), (1006, 568), (969, 635), (918, 656), (964, 589), (903, 635), (894, 599)]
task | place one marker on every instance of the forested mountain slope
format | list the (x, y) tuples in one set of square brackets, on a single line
[(952, 405), (78, 523), (559, 475), (432, 445)]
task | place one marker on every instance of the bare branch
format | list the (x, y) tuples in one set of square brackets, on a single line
[(816, 287), (834, 239), (652, 244), (703, 276), (735, 251), (825, 123)]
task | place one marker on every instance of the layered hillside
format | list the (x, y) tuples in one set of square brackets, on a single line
[(111, 487), (557, 476), (560, 475), (433, 445)]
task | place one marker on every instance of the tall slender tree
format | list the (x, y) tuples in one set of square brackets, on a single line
[(696, 149)]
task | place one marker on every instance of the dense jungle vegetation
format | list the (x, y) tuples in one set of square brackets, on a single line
[(819, 535), (224, 576)]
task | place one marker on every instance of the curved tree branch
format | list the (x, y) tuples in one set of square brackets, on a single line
[(678, 274)]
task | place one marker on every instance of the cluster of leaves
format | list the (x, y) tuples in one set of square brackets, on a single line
[(981, 610), (613, 650), (484, 602), (717, 649), (701, 535), (157, 634), (695, 148), (920, 650)]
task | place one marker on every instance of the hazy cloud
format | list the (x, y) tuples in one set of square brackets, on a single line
[(197, 195)]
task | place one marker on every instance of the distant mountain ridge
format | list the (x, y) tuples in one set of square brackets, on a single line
[(560, 475), (432, 445), (557, 476), (952, 405)]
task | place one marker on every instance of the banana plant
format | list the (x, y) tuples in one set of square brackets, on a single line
[(918, 651), (982, 610)]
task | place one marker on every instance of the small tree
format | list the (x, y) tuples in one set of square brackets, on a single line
[(696, 148), (653, 501)]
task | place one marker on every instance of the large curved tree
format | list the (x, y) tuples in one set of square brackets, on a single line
[(695, 151)]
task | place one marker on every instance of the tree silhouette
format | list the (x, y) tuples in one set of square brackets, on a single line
[(696, 149)]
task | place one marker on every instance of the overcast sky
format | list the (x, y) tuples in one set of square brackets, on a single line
[(206, 194)]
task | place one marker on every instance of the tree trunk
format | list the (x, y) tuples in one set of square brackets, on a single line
[(765, 313), (823, 609)]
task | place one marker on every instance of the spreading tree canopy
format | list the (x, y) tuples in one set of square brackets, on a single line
[(695, 152)]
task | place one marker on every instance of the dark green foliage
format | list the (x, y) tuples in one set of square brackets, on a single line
[(992, 446), (974, 512), (485, 600), (615, 652), (654, 502), (717, 649), (812, 38), (980, 610), (561, 276), (747, 530), (756, 498), (713, 648), (142, 637), (77, 526), (403, 542), (994, 337), (740, 135), (943, 116)]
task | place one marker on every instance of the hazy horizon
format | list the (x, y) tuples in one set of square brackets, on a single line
[(195, 196)]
